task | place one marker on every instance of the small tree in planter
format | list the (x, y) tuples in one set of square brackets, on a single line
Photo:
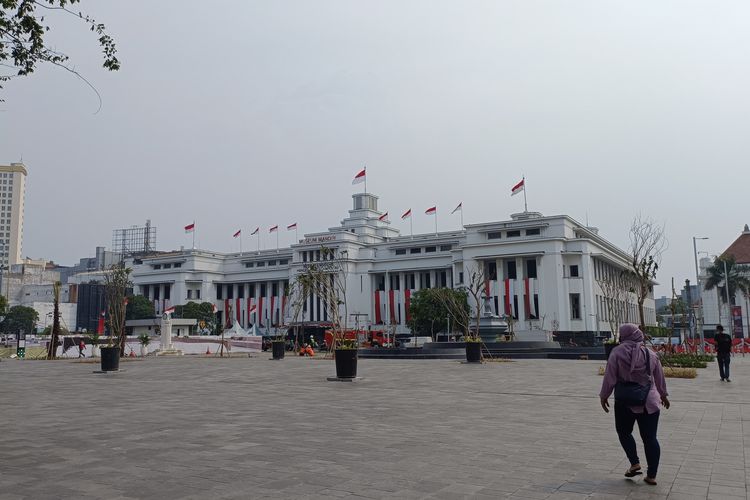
[(116, 283), (92, 339), (455, 300), (145, 340), (327, 279)]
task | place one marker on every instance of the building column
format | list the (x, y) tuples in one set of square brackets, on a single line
[(520, 275)]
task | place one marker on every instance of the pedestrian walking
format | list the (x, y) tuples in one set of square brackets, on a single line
[(635, 375), (81, 348), (723, 352)]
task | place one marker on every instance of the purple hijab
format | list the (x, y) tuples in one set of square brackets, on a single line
[(632, 353)]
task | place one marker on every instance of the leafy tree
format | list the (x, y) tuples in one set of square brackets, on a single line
[(429, 310), (3, 304), (23, 28), (48, 331), (116, 283), (739, 277), (201, 312), (139, 307), (20, 318)]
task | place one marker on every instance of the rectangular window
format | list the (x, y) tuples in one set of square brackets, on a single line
[(304, 256), (144, 291), (444, 278), (230, 291), (156, 293), (513, 234), (575, 306), (167, 266), (412, 281), (241, 291), (157, 266), (190, 294), (492, 271), (198, 294), (394, 282), (531, 268), (446, 248), (271, 263), (260, 263), (401, 251), (574, 271), (381, 283), (177, 264), (262, 289), (430, 249), (249, 264), (510, 270), (167, 290), (274, 289), (415, 250), (283, 262), (494, 236), (533, 232)]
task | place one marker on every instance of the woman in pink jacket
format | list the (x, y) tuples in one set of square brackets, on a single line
[(631, 361)]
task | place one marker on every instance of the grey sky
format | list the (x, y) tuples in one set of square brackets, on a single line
[(245, 114)]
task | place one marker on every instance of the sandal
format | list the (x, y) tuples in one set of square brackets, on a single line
[(634, 470), (650, 480)]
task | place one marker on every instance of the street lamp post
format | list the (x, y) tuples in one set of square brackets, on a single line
[(698, 328), (726, 289)]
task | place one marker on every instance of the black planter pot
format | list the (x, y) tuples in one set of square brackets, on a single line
[(473, 352), (110, 359), (279, 348), (346, 363), (608, 349)]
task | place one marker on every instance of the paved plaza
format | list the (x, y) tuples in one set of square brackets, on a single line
[(202, 428)]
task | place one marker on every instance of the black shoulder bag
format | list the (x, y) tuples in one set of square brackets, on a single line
[(633, 393)]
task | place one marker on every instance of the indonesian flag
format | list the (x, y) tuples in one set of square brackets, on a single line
[(291, 226), (252, 309), (407, 214), (274, 229), (360, 177), (431, 211), (169, 310), (459, 207), (190, 228), (239, 232), (384, 217), (214, 309), (517, 188), (257, 230)]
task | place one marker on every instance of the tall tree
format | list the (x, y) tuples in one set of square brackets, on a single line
[(55, 334), (116, 283), (23, 28), (737, 277), (20, 318), (429, 311), (647, 243)]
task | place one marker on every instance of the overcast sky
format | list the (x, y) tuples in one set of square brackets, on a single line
[(244, 114)]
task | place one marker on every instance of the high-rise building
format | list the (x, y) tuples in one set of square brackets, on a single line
[(12, 199)]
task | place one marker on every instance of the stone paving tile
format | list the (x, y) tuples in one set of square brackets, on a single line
[(245, 428)]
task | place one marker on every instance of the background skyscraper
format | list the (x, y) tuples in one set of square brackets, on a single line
[(12, 199)]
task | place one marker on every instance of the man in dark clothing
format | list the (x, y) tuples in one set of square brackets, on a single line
[(723, 352)]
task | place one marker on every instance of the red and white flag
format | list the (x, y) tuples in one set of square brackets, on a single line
[(274, 229), (291, 227), (517, 188), (384, 217), (431, 211), (190, 228), (407, 214), (214, 309), (252, 309), (169, 310), (360, 177), (257, 230), (459, 207), (239, 232)]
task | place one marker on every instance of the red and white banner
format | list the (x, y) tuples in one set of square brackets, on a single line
[(407, 214), (257, 230), (360, 177), (239, 232), (431, 211), (291, 227), (190, 228), (273, 229), (169, 310), (384, 217), (517, 188)]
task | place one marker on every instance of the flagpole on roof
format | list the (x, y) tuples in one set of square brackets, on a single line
[(525, 206), (258, 233), (277, 239), (411, 227), (365, 179), (462, 215), (436, 231), (193, 234), (240, 242)]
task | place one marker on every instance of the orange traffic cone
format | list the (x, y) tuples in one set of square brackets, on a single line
[(208, 351)]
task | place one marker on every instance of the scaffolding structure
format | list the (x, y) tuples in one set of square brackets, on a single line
[(134, 241)]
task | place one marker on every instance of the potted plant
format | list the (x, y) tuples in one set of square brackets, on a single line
[(328, 278), (116, 283), (92, 339), (278, 347), (456, 301), (145, 340)]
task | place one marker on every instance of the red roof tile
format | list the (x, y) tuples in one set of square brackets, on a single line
[(740, 249)]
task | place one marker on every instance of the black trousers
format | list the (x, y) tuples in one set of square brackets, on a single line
[(648, 423), (724, 360)]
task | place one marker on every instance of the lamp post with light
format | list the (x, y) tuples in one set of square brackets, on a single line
[(698, 327)]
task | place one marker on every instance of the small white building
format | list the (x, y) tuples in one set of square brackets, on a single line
[(180, 327), (542, 270)]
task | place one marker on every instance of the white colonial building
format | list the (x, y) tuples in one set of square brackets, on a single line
[(541, 269)]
